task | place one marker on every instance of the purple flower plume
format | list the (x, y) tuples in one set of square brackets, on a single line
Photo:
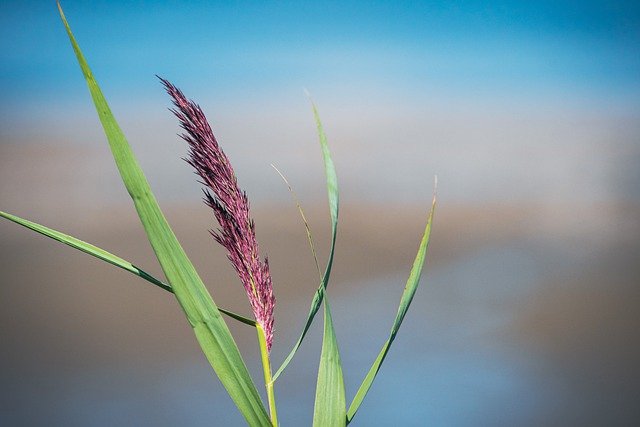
[(230, 206)]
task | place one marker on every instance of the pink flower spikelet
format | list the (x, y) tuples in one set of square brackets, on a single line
[(230, 206)]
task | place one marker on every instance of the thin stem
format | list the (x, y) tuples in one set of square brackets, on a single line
[(266, 368)]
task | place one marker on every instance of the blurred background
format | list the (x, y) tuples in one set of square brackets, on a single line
[(528, 112)]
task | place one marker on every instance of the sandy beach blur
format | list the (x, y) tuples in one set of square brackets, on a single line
[(522, 318)]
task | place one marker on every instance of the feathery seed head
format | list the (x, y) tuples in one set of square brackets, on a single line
[(230, 207)]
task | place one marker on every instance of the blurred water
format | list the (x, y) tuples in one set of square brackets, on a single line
[(454, 363)]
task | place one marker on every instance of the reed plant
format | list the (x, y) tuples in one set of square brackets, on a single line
[(236, 234)]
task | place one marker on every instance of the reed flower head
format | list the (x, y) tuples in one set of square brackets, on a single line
[(230, 206)]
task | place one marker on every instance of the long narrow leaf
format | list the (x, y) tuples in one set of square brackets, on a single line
[(405, 302), (312, 246), (86, 248), (100, 253), (330, 406), (211, 331), (332, 190)]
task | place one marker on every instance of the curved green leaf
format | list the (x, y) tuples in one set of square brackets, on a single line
[(312, 246), (99, 253), (405, 302), (332, 190), (211, 331), (86, 248), (330, 405)]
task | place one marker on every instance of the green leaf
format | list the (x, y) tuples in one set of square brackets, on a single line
[(304, 221), (238, 317), (211, 331), (332, 190), (407, 296), (330, 406), (87, 248), (106, 256)]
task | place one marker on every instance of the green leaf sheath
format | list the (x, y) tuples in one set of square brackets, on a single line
[(332, 190), (201, 312), (266, 370), (330, 405), (405, 301), (103, 255)]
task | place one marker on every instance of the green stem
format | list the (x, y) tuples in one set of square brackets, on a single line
[(266, 368)]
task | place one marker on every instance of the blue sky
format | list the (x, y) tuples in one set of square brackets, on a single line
[(464, 49), (504, 100)]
